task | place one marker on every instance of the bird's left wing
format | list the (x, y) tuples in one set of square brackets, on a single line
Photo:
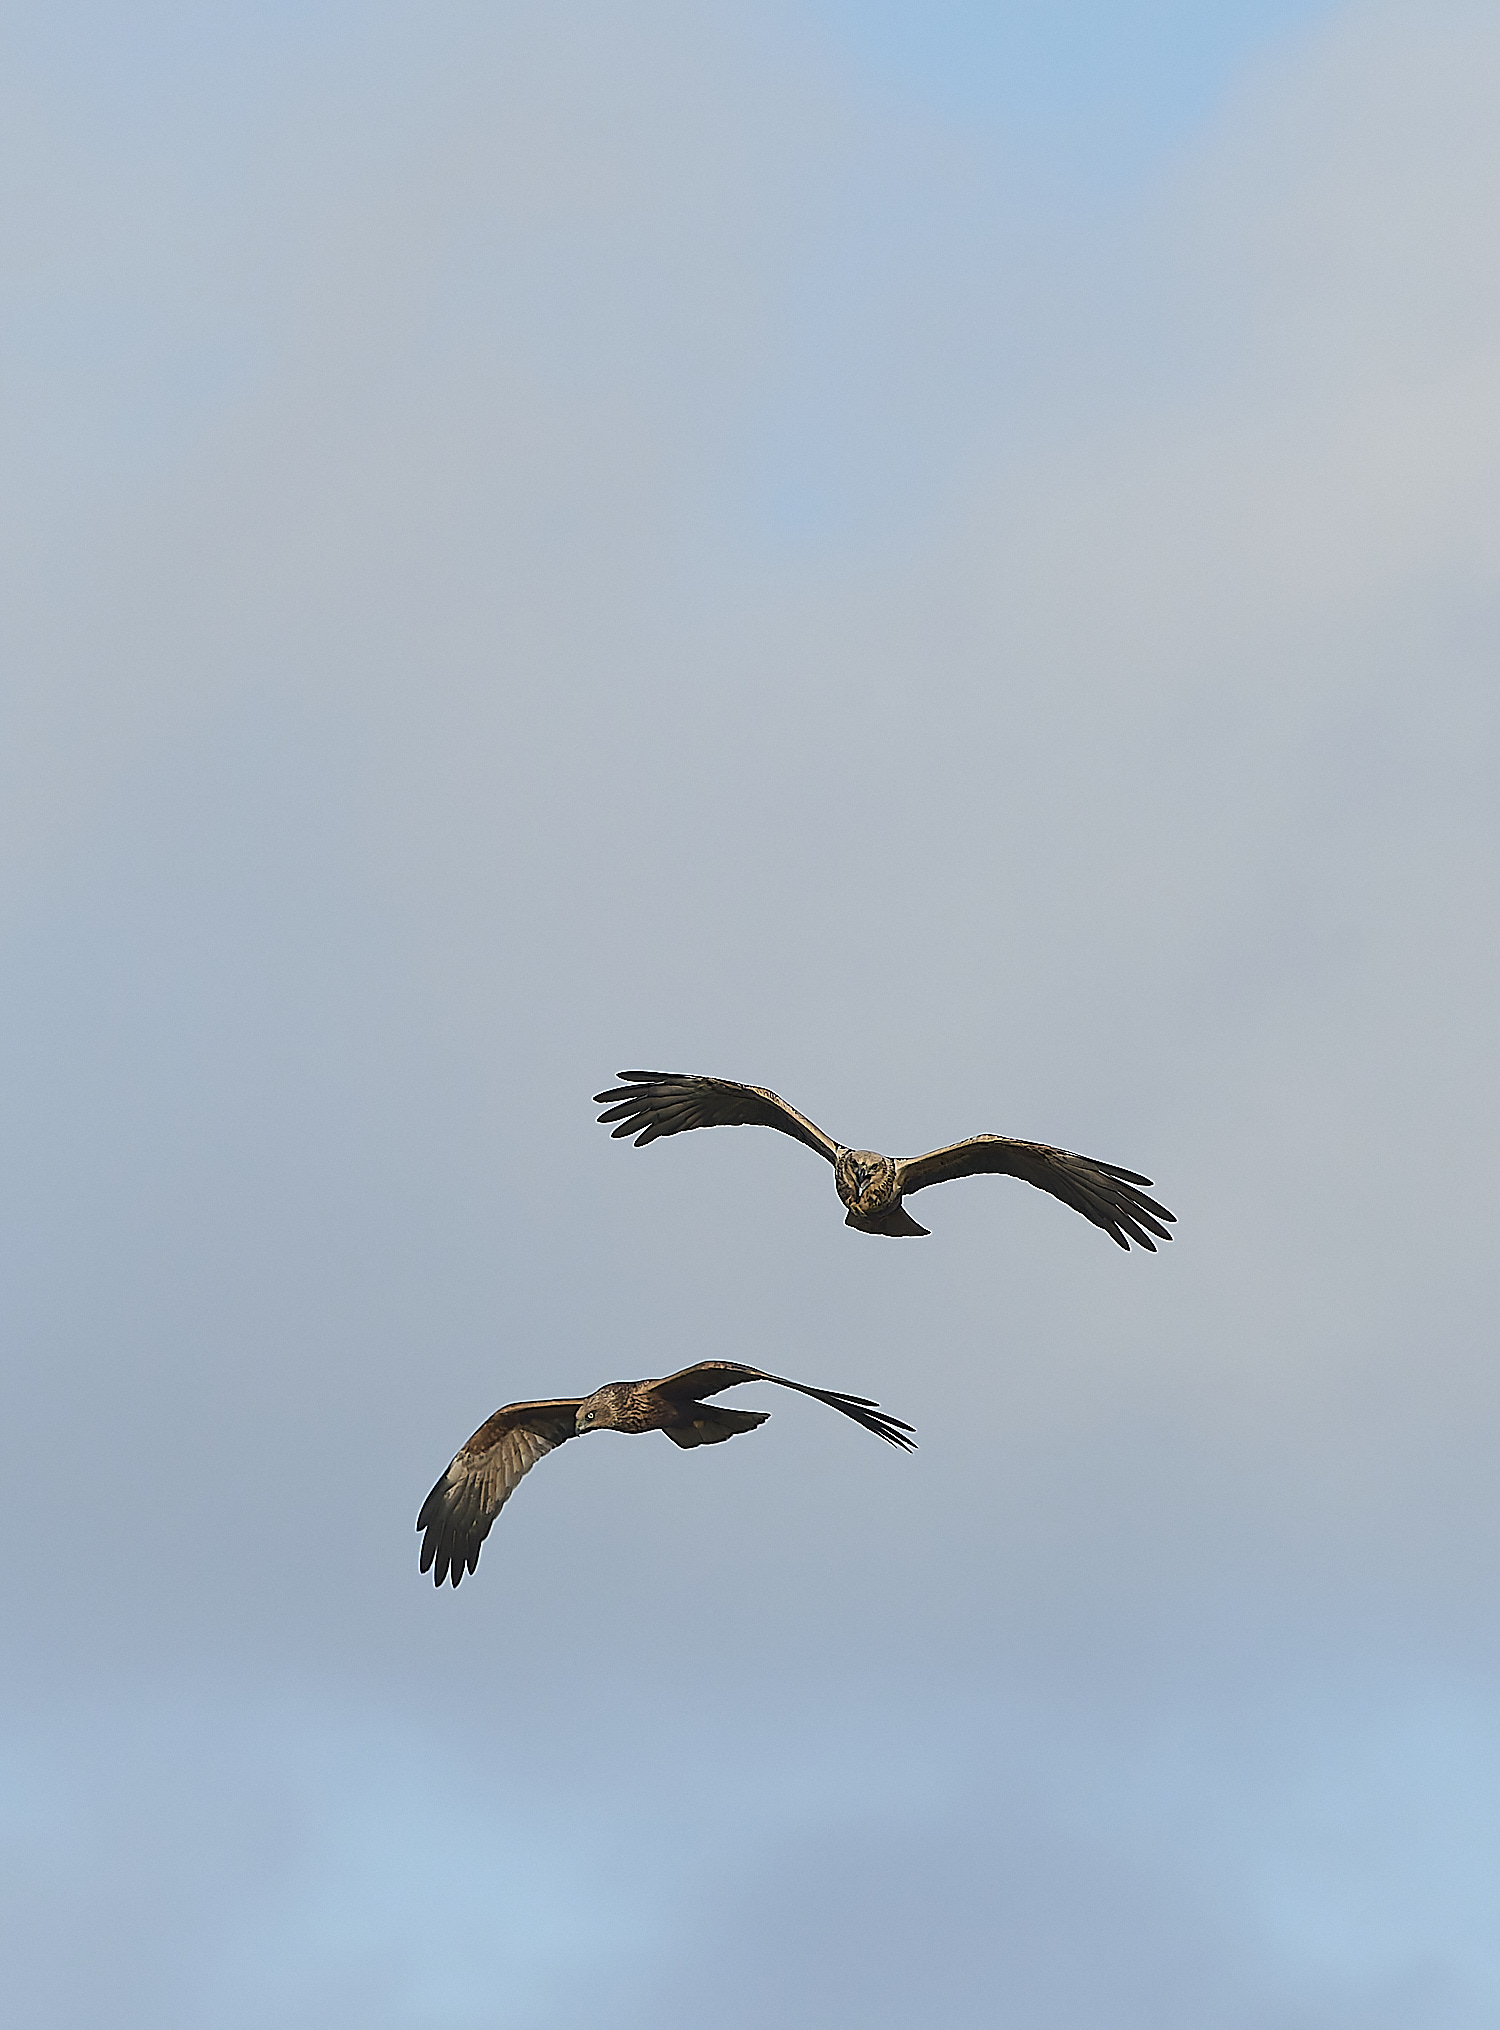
[(656, 1103), (1110, 1197), (711, 1377), (455, 1518)]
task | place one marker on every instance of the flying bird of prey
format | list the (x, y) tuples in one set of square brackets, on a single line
[(456, 1516), (656, 1103)]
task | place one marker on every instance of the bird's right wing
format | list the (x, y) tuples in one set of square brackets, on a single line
[(1104, 1193), (656, 1103), (711, 1377), (456, 1517)]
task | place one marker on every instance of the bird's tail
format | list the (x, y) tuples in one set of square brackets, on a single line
[(711, 1424), (894, 1220)]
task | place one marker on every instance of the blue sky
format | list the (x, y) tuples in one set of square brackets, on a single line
[(939, 560), (1100, 89), (183, 109)]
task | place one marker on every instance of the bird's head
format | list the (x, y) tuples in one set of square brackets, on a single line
[(601, 1410), (866, 1180)]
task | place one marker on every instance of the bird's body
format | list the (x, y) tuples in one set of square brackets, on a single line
[(652, 1104), (456, 1517), (869, 1186)]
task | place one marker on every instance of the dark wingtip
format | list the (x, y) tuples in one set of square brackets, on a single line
[(894, 1430)]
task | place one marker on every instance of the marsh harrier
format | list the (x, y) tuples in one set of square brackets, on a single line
[(456, 1516), (656, 1103)]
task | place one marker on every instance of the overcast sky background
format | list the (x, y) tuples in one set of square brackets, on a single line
[(941, 558)]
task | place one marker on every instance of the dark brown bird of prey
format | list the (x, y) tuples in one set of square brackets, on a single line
[(456, 1516), (657, 1103)]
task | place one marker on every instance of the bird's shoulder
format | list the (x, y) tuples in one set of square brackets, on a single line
[(703, 1378), (549, 1422)]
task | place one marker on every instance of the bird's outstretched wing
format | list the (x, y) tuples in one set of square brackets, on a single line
[(656, 1103), (709, 1377), (455, 1518), (1102, 1192)]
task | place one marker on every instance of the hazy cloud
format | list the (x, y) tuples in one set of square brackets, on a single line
[(554, 539)]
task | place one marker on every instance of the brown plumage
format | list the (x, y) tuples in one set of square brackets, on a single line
[(656, 1103), (455, 1518)]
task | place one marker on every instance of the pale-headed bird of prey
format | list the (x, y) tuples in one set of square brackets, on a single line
[(657, 1103), (455, 1518)]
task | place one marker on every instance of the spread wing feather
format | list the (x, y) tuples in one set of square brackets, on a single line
[(456, 1517), (1102, 1192), (656, 1103), (709, 1377)]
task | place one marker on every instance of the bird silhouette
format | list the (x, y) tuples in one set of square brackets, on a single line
[(456, 1517), (656, 1103)]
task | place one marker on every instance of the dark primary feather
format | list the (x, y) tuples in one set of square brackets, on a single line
[(657, 1103), (710, 1377), (1102, 1192), (483, 1474)]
